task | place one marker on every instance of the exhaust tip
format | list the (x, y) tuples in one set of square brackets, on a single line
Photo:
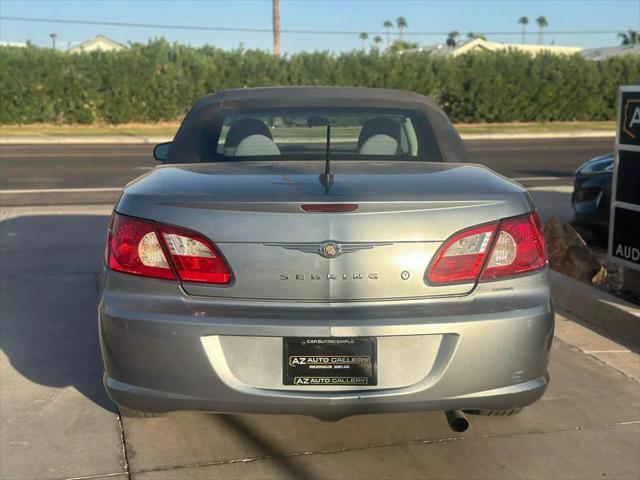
[(457, 420)]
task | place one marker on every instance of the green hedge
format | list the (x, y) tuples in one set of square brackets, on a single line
[(160, 81)]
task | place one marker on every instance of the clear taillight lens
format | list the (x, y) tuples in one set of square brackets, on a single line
[(461, 258), (195, 259), (140, 247)]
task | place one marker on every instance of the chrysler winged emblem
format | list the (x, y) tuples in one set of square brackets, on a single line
[(329, 248)]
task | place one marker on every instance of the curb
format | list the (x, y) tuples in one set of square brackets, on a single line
[(542, 135), (98, 139), (596, 307), (142, 139)]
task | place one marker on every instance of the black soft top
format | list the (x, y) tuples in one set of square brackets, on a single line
[(318, 96), (189, 138)]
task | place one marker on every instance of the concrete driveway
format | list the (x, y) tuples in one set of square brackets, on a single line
[(57, 423)]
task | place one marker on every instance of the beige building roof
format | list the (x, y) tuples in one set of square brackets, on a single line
[(97, 43), (13, 44), (479, 45)]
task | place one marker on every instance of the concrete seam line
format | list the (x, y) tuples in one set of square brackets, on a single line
[(382, 445), (606, 351), (123, 442), (97, 476), (600, 361)]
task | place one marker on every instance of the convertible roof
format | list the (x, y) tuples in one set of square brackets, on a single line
[(318, 96), (189, 139)]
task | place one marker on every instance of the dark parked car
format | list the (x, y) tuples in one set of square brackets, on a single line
[(592, 193)]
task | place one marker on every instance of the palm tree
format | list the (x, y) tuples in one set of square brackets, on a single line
[(276, 28), (451, 39), (401, 23), (542, 24), (377, 40), (364, 36), (474, 35), (631, 37), (388, 26), (524, 21)]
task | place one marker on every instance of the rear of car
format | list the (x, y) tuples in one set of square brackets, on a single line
[(242, 276)]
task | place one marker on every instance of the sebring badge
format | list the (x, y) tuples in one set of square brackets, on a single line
[(329, 276)]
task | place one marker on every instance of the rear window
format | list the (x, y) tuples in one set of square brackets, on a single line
[(301, 134)]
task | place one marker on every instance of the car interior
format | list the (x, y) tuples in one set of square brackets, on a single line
[(378, 136)]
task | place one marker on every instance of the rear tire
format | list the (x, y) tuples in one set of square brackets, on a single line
[(495, 413), (130, 413)]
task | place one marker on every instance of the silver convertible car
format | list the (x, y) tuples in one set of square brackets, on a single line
[(328, 252)]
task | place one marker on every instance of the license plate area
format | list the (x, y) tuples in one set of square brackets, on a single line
[(329, 361)]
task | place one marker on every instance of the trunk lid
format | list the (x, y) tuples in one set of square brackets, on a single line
[(252, 212)]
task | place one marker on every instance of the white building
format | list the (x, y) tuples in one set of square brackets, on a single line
[(97, 43), (13, 44), (481, 45)]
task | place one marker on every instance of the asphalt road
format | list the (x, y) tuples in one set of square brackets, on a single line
[(104, 166), (57, 423), (93, 174)]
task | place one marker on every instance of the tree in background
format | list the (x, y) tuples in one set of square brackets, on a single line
[(401, 23), (542, 24), (474, 35), (276, 28), (451, 39), (524, 21), (388, 26), (631, 37), (160, 81), (364, 36), (377, 41), (399, 46)]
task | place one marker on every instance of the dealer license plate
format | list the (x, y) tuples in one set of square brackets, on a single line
[(329, 361)]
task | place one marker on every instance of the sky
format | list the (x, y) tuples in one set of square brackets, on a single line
[(351, 15)]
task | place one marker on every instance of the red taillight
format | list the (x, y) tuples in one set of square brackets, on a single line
[(329, 207), (516, 246), (134, 248), (140, 247), (461, 258)]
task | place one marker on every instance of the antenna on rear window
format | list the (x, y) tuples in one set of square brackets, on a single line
[(326, 178)]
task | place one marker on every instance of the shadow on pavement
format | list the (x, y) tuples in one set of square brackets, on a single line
[(48, 299), (243, 428)]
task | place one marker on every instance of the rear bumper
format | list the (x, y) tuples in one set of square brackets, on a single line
[(323, 406), (164, 350)]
